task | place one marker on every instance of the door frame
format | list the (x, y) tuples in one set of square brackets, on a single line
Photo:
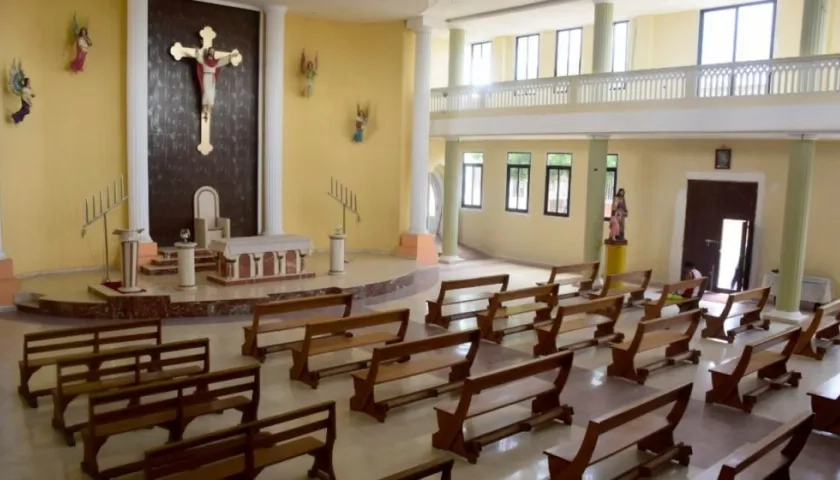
[(678, 232)]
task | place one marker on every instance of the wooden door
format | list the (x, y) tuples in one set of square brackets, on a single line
[(708, 204)]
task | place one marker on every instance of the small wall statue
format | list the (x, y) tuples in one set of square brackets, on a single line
[(20, 85), (362, 116), (309, 70), (619, 213), (81, 41)]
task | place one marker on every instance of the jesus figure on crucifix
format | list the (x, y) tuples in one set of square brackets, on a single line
[(209, 67), (209, 63)]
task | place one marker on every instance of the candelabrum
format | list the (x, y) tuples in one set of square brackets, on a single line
[(343, 195), (97, 207)]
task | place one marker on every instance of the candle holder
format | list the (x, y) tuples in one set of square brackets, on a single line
[(98, 208)]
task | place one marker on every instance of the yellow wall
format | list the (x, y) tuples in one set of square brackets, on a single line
[(358, 63), (73, 142), (653, 172), (659, 41)]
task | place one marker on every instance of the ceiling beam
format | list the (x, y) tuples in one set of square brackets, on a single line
[(509, 10)]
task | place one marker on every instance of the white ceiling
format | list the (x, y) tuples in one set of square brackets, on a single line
[(563, 14)]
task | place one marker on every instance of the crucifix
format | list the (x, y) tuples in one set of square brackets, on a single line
[(209, 63)]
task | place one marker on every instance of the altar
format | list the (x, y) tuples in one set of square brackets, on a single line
[(260, 259)]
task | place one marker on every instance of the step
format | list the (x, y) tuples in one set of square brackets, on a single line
[(161, 261), (173, 269), (172, 252)]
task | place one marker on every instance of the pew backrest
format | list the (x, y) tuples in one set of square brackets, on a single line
[(179, 394), (821, 312), (607, 306), (760, 295), (426, 470), (788, 337), (400, 316), (306, 303), (106, 364), (561, 361), (587, 270), (679, 396), (243, 440), (539, 291), (448, 285), (697, 285), (403, 349), (797, 430), (638, 277), (88, 339), (691, 319)]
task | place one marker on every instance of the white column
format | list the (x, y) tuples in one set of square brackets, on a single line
[(275, 32), (420, 129), (602, 46), (137, 121)]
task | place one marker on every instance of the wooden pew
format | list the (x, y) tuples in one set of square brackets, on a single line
[(738, 305), (825, 403), (586, 273), (600, 314), (320, 338), (544, 298), (823, 331), (756, 358), (627, 283), (502, 388), (763, 459), (652, 334), (242, 452), (426, 470), (383, 369), (41, 349), (171, 404), (633, 425), (250, 345), (112, 369), (653, 308), (445, 298)]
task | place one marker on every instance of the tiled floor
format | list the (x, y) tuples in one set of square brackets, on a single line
[(366, 449)]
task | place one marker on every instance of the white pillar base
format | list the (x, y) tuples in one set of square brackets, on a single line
[(450, 259), (788, 318), (337, 254), (186, 265)]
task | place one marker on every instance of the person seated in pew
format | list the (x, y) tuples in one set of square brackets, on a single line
[(690, 272)]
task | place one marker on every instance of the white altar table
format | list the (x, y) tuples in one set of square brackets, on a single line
[(816, 290), (260, 259)]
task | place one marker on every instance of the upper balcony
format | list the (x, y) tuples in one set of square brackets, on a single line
[(790, 95)]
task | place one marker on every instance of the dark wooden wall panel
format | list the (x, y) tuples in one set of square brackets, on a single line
[(176, 168)]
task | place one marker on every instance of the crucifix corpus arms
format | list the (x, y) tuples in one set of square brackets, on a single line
[(209, 63)]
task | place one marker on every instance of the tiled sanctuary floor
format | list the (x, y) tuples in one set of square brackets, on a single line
[(366, 449)]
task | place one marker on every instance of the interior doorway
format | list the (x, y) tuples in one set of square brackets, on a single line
[(719, 231)]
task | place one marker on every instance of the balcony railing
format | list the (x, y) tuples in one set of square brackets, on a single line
[(789, 76)]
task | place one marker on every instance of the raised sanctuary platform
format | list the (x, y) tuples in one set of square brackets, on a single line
[(80, 295)]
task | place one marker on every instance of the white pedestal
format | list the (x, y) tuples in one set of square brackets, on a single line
[(130, 243), (337, 254), (186, 265)]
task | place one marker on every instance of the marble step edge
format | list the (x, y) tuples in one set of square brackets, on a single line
[(173, 269), (160, 261)]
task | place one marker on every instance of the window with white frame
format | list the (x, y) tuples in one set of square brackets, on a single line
[(558, 179), (472, 176), (481, 63), (620, 43), (527, 57), (739, 33), (518, 182), (569, 48)]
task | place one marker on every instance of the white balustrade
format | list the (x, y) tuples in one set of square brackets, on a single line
[(787, 76)]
